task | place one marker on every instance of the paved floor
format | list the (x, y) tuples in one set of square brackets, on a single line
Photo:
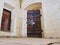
[(26, 41)]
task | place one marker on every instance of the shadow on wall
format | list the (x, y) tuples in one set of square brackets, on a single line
[(54, 43)]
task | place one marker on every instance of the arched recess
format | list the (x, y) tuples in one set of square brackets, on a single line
[(35, 7)]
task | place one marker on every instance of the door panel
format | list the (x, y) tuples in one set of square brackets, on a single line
[(34, 23), (6, 20)]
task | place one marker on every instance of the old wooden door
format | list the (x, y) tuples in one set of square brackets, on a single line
[(6, 20), (34, 23)]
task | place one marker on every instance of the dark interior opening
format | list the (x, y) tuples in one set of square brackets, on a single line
[(34, 23), (6, 20)]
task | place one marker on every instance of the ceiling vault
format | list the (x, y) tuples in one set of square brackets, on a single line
[(21, 3)]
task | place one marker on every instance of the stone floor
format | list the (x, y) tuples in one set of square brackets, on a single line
[(26, 41)]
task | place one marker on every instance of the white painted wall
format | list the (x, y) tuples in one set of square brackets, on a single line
[(15, 15), (14, 7), (51, 16), (51, 12), (1, 9)]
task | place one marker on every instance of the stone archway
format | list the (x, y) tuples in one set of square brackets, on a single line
[(35, 6)]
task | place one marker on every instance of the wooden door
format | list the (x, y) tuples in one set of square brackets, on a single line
[(34, 23), (6, 20)]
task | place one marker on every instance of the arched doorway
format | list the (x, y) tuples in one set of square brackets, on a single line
[(34, 20)]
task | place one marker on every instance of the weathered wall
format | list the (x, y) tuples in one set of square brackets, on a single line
[(14, 7), (51, 16), (51, 12), (1, 9)]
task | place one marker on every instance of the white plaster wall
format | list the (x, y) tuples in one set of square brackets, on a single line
[(51, 16), (24, 24), (14, 7), (14, 3), (51, 12), (15, 15), (1, 9)]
